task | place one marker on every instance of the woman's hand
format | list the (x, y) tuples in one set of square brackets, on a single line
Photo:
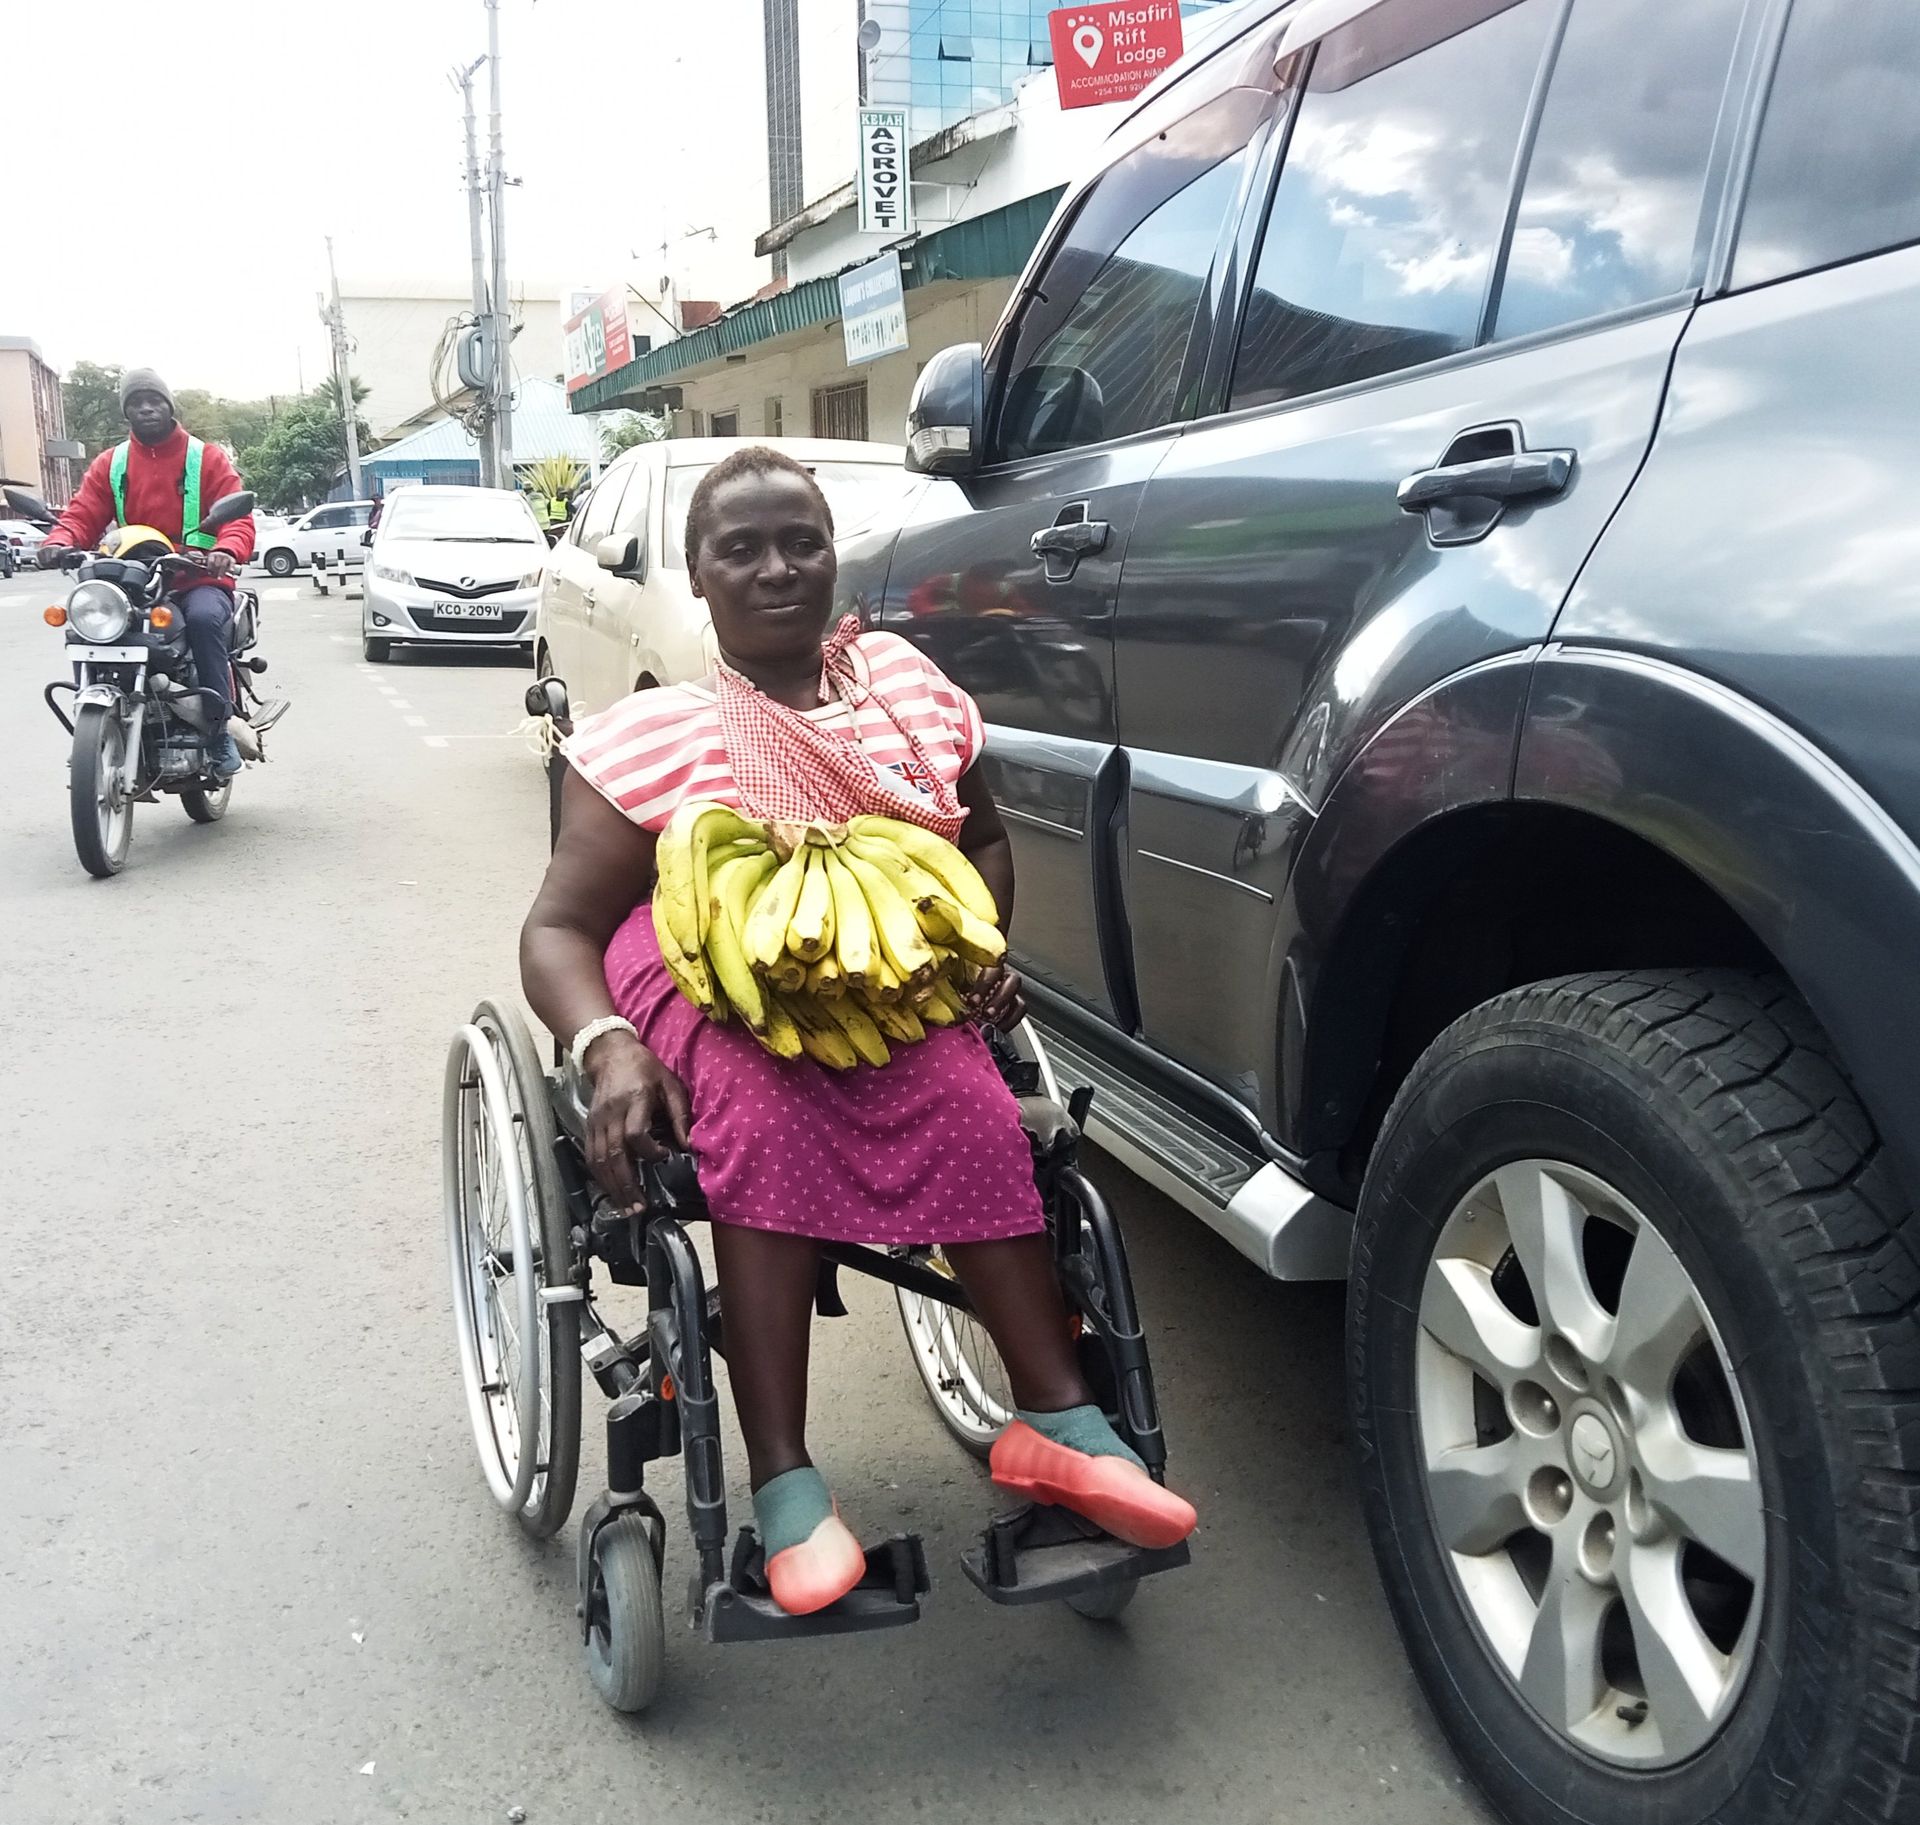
[(995, 998), (634, 1095)]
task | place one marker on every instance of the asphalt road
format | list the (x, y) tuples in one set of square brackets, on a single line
[(248, 1569)]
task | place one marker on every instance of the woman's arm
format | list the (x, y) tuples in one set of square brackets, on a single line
[(995, 995), (602, 868)]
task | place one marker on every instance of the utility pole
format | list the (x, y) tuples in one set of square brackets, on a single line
[(335, 320), (489, 468), (502, 339)]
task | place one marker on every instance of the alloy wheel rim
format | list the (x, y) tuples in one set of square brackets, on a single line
[(1590, 1469)]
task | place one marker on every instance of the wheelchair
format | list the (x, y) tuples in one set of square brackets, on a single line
[(526, 1229)]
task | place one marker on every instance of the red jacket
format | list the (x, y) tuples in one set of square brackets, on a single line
[(156, 479)]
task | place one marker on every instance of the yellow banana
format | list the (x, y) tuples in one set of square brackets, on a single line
[(862, 1032), (676, 921), (810, 931), (765, 939), (713, 824), (894, 922), (690, 977), (824, 980), (821, 1037), (852, 922), (882, 983), (782, 1037), (974, 939), (899, 1021), (942, 1007), (735, 882), (938, 857)]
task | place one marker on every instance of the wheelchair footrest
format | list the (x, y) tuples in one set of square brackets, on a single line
[(1039, 1553), (743, 1609)]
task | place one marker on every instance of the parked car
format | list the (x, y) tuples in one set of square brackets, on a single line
[(451, 566), (333, 528), (22, 541), (616, 614), (1433, 540)]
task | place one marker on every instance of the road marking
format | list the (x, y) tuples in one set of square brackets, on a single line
[(434, 741), (399, 703), (414, 722)]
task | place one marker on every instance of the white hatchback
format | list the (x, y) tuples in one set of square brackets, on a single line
[(452, 566), (616, 611)]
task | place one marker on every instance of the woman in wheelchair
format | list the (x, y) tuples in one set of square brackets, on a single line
[(796, 722)]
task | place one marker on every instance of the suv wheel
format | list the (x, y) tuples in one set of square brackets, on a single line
[(279, 563), (1634, 1331)]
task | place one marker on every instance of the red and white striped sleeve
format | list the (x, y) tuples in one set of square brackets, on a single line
[(922, 696), (652, 752)]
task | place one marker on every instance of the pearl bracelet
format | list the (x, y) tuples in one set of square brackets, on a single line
[(607, 1023)]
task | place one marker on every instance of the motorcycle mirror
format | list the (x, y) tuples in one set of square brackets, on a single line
[(29, 507), (548, 697), (226, 510)]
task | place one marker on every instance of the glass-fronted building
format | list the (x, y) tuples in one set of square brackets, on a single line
[(942, 60)]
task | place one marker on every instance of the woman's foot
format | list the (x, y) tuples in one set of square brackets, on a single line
[(1075, 1460), (812, 1558)]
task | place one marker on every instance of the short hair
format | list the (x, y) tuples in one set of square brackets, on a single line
[(755, 459)]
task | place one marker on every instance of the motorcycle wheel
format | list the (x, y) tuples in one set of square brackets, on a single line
[(102, 810), (204, 805)]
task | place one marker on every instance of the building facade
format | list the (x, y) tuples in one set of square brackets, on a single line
[(33, 423)]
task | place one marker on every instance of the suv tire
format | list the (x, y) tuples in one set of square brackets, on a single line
[(279, 562), (1700, 1117)]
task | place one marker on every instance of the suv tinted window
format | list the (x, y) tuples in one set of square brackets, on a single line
[(1836, 171), (1102, 345), (1610, 212), (1380, 241)]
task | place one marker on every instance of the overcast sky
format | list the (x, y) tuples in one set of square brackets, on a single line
[(257, 127)]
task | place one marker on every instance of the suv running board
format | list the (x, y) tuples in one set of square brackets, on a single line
[(1270, 1216)]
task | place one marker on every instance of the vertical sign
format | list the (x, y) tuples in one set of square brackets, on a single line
[(886, 199), (873, 310), (598, 339), (1111, 51)]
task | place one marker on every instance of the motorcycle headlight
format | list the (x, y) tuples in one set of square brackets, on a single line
[(99, 612), (388, 573)]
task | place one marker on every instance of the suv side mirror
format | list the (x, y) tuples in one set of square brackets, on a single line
[(622, 556), (946, 420), (366, 538)]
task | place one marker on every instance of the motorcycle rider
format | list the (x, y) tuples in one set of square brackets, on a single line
[(164, 478)]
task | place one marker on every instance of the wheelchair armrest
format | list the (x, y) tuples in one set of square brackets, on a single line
[(1047, 1123)]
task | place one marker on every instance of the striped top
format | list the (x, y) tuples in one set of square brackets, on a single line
[(655, 750)]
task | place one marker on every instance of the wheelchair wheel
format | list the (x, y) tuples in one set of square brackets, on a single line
[(522, 1390), (551, 1500), (626, 1646)]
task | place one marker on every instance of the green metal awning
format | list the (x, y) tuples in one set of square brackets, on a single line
[(991, 246)]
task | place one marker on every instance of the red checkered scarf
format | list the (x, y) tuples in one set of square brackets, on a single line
[(790, 770)]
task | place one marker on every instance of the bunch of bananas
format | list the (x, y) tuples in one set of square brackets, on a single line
[(827, 939)]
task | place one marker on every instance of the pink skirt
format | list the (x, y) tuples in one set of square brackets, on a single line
[(925, 1149)]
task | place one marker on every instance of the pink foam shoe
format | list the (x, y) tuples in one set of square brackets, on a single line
[(1112, 1493), (820, 1570)]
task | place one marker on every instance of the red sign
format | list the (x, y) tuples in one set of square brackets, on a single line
[(1111, 51), (598, 339)]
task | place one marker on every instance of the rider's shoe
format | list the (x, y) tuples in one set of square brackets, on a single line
[(226, 758), (812, 1558), (1114, 1493)]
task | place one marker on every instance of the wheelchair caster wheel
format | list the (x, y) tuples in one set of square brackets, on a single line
[(626, 1643), (1104, 1605)]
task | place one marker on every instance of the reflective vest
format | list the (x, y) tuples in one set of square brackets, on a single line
[(189, 492)]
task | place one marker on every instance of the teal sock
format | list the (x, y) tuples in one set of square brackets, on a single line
[(787, 1508), (1082, 1429)]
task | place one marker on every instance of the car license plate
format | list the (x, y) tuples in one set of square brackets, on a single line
[(107, 655), (467, 611)]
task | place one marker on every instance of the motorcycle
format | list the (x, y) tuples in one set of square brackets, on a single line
[(140, 721)]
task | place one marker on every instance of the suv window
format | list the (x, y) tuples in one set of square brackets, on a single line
[(1610, 212), (1381, 237), (596, 519), (1103, 343), (326, 518), (1834, 175)]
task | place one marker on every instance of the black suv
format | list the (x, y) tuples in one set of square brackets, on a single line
[(1434, 538)]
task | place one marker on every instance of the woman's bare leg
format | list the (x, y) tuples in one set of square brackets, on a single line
[(766, 1293), (1016, 1295)]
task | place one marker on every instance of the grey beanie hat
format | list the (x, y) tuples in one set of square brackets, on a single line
[(143, 380)]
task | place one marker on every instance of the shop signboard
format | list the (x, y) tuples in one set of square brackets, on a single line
[(886, 185), (598, 339), (873, 310), (1111, 51)]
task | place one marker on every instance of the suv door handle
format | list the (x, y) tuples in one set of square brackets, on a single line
[(1071, 537), (586, 602), (1495, 478)]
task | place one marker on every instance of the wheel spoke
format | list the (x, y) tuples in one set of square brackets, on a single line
[(1685, 1675), (1544, 1223), (1708, 1495), (1660, 1319), (1561, 1674), (1464, 1315), (1476, 1492)]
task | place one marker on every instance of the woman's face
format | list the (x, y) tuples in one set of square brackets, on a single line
[(766, 567)]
